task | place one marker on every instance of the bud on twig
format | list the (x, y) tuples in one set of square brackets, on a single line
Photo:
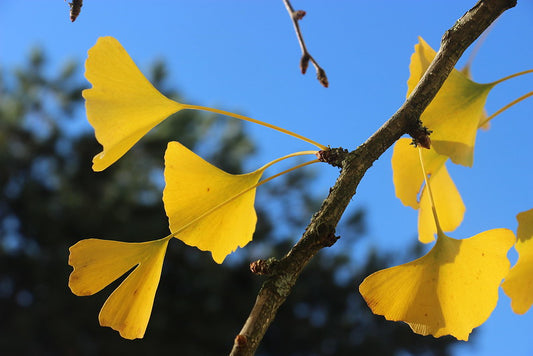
[(75, 9), (298, 15), (421, 137), (263, 267), (304, 62), (322, 78), (333, 156)]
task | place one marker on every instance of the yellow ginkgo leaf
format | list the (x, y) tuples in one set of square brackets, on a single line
[(518, 285), (448, 202), (482, 124), (97, 263), (122, 105), (455, 112), (193, 194), (406, 172), (449, 291)]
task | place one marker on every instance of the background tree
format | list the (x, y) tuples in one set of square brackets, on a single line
[(51, 199)]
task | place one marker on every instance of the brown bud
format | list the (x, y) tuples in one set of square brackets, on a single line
[(75, 9), (421, 137), (330, 239), (240, 340), (304, 62), (322, 78), (263, 267), (298, 15), (333, 156)]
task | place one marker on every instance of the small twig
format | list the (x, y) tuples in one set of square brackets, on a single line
[(306, 57), (75, 9)]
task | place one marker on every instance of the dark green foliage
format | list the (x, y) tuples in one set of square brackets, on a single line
[(51, 199)]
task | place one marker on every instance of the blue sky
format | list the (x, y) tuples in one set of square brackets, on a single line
[(243, 56)]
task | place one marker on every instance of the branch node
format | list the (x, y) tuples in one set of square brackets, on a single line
[(332, 156), (263, 267), (421, 137), (330, 239), (240, 341)]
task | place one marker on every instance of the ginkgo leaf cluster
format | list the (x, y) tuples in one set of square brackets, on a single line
[(454, 287), (206, 207), (449, 291)]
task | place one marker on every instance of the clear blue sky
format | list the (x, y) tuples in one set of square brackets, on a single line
[(243, 56)]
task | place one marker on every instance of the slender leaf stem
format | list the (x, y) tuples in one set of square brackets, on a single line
[(249, 119), (512, 103), (512, 76), (295, 154), (431, 199)]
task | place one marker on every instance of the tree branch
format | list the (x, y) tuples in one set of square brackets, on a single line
[(306, 57), (320, 231)]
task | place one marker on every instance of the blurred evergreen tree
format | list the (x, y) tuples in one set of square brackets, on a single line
[(50, 199)]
